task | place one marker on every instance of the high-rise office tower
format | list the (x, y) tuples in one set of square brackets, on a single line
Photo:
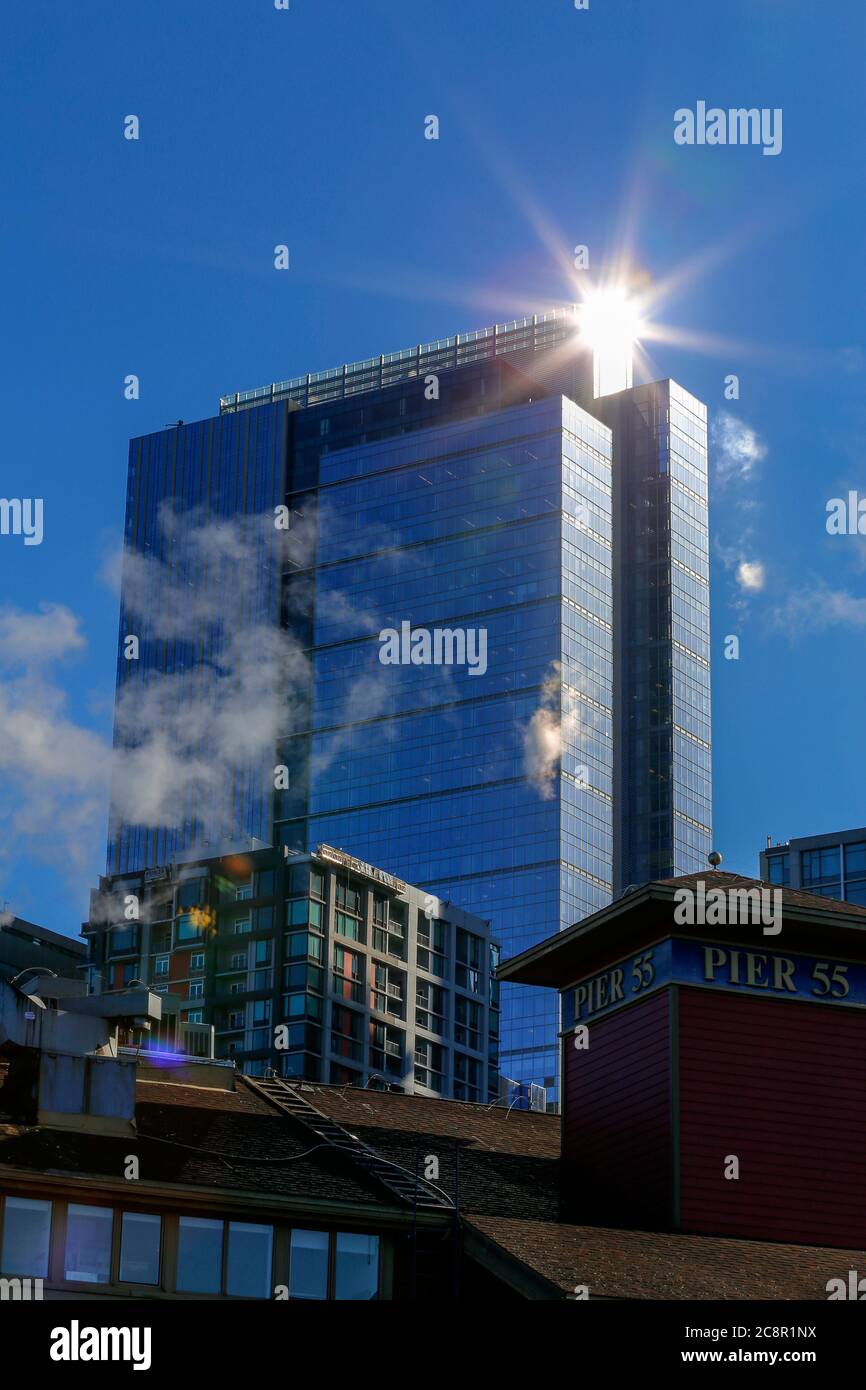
[(491, 589)]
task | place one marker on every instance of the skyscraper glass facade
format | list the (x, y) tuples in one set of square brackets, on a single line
[(663, 772), (471, 486)]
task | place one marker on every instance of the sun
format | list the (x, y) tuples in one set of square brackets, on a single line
[(609, 323)]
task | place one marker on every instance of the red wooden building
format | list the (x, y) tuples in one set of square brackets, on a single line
[(714, 1069)]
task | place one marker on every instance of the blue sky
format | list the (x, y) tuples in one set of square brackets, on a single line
[(305, 127)]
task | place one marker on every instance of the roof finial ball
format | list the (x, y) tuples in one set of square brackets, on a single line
[(714, 859)]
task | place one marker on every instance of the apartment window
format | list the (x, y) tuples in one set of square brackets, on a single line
[(194, 1016), (301, 911), (263, 919), (261, 1012), (199, 1255), (196, 990), (243, 891), (467, 1023), (431, 1005), (192, 892), (298, 880), (241, 926), (302, 1006), (466, 1077), (264, 952), (349, 927), (88, 1243), (347, 1033), (265, 884), (387, 1049), (820, 865), (139, 1248), (303, 944), (302, 976), (26, 1237), (308, 1267), (304, 1036), (128, 973), (348, 982), (187, 929), (779, 868), (236, 1020), (469, 957), (429, 1065), (317, 883), (249, 1260), (161, 966), (432, 945), (388, 990), (123, 940), (238, 961), (196, 960), (350, 896), (855, 860)]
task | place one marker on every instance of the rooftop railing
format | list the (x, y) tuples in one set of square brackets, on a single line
[(534, 332)]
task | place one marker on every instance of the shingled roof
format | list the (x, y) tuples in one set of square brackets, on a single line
[(491, 1160), (550, 1260)]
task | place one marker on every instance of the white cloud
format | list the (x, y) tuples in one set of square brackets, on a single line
[(28, 639), (751, 576), (737, 448), (817, 608)]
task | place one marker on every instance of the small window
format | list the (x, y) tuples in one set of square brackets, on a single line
[(196, 989), (139, 1248), (196, 961), (26, 1237), (250, 1253), (88, 1243), (308, 1272), (161, 967), (199, 1255), (356, 1267)]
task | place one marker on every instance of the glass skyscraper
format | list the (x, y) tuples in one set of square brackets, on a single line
[(474, 485)]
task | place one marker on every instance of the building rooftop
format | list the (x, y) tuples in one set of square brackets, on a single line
[(561, 957), (555, 1258), (196, 1142), (534, 332)]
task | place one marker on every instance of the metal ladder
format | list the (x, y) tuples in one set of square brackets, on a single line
[(400, 1183)]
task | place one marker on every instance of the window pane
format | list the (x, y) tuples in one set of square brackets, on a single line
[(357, 1266), (855, 859), (139, 1248), (249, 1262), (199, 1255), (308, 1276), (88, 1243), (26, 1232)]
